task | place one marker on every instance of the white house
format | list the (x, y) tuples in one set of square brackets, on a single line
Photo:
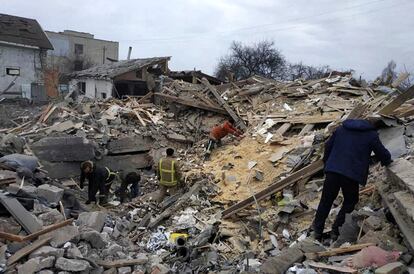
[(133, 77), (23, 47)]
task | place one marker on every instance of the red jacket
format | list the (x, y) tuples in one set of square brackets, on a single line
[(221, 131)]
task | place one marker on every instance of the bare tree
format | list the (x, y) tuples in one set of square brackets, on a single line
[(300, 70), (244, 61)]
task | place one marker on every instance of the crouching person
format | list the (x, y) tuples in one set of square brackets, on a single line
[(168, 173), (99, 178), (129, 179)]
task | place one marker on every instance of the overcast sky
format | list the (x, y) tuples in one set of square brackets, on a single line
[(358, 34)]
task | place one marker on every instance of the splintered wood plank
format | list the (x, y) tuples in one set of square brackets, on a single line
[(278, 186), (306, 129), (239, 122), (283, 129), (398, 101), (340, 269), (336, 251), (189, 103), (27, 250)]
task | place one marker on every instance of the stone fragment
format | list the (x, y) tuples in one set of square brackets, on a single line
[(52, 194), (94, 220), (391, 268), (9, 225), (46, 271), (282, 262), (47, 251), (125, 270), (373, 223), (160, 269), (63, 235), (35, 264), (51, 217), (16, 187), (110, 271), (112, 250), (72, 265), (94, 238), (73, 252)]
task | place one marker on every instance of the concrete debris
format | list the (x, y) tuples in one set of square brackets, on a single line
[(72, 265), (94, 220), (50, 193), (268, 181)]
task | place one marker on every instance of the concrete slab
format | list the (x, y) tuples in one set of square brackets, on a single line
[(126, 162), (64, 149), (393, 140), (134, 144), (400, 171)]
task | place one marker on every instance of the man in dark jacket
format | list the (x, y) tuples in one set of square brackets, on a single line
[(129, 178), (346, 158), (99, 178)]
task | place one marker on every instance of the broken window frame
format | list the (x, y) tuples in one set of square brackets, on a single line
[(78, 49), (81, 87)]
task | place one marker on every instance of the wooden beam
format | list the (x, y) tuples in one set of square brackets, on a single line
[(340, 269), (397, 102), (283, 129), (18, 238), (336, 251), (278, 186), (27, 250), (238, 121), (306, 129), (190, 103)]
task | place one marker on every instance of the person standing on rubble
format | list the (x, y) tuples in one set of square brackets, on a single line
[(219, 132), (169, 175), (129, 178), (99, 178), (347, 157)]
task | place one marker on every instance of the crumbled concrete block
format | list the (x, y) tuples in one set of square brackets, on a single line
[(124, 270), (73, 252), (373, 223), (35, 264), (64, 149), (15, 187), (94, 238), (94, 220), (51, 217), (46, 271), (9, 225), (282, 262), (29, 267), (160, 269), (391, 268), (47, 251), (52, 194), (72, 265), (63, 235)]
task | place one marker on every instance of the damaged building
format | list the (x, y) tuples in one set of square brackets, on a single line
[(135, 77), (247, 209), (23, 50)]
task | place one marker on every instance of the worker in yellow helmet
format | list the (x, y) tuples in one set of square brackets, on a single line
[(168, 172)]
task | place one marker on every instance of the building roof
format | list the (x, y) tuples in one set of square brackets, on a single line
[(184, 74), (24, 31), (111, 70)]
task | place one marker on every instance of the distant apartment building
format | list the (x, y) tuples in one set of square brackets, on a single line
[(75, 50)]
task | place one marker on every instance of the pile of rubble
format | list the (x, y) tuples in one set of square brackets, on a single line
[(247, 209)]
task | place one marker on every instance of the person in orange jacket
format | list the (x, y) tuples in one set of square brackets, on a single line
[(219, 132)]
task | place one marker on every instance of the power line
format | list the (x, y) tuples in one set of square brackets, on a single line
[(235, 31)]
